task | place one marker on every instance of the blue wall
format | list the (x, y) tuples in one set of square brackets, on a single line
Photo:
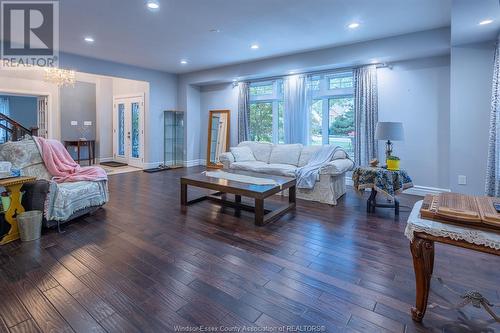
[(163, 94), (23, 109)]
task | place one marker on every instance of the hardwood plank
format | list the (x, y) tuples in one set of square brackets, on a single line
[(131, 271), (79, 319), (27, 326), (44, 314)]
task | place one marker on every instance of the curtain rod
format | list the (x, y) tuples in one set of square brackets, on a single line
[(324, 71)]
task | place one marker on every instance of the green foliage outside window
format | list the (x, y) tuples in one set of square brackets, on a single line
[(261, 121)]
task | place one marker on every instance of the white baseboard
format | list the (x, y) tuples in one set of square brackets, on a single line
[(189, 163), (104, 159), (415, 190), (192, 163), (423, 190)]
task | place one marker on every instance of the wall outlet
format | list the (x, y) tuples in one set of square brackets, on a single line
[(462, 180), (87, 123), (74, 123)]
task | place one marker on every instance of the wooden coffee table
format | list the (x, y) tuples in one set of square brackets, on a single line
[(239, 189)]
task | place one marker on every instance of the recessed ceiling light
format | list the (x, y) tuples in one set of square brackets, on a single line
[(153, 4), (292, 72), (254, 46), (214, 30), (353, 25), (89, 39), (485, 22), (184, 62)]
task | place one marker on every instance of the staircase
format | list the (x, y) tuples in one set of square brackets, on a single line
[(11, 130)]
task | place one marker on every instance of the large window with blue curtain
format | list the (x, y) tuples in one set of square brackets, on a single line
[(331, 118)]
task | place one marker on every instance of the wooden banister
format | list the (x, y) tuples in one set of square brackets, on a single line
[(15, 130)]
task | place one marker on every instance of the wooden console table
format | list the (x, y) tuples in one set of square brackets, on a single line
[(82, 143), (423, 233), (13, 185)]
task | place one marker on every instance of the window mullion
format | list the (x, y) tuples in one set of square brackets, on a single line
[(325, 120), (275, 121)]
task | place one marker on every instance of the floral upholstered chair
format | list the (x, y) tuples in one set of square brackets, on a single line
[(60, 202)]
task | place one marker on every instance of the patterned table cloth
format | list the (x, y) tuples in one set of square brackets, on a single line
[(382, 180), (416, 223)]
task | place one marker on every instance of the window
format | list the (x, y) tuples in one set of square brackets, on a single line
[(261, 121), (341, 122), (340, 81), (266, 111), (332, 111), (259, 89)]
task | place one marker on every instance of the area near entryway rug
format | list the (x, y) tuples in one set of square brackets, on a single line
[(240, 178), (113, 164)]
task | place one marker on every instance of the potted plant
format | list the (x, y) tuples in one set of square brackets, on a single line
[(392, 163)]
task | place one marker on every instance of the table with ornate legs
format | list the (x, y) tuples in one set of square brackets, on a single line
[(423, 233), (13, 185)]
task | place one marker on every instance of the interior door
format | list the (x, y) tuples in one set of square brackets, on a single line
[(128, 131)]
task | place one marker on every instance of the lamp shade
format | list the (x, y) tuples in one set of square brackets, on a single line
[(389, 131)]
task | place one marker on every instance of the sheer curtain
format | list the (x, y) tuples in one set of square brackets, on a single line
[(493, 170), (296, 101), (4, 109), (243, 112), (365, 113)]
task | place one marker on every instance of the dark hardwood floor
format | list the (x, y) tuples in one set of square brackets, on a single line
[(139, 265)]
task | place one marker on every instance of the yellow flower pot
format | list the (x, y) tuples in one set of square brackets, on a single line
[(393, 165)]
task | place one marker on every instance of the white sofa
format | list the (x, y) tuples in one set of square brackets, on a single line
[(284, 159)]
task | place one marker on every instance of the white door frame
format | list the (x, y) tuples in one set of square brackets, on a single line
[(117, 99), (51, 132)]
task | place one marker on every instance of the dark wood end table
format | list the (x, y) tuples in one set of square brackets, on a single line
[(82, 143), (258, 192)]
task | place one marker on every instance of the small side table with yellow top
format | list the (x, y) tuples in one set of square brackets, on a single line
[(13, 185)]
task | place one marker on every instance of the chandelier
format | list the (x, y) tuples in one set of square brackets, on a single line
[(61, 77)]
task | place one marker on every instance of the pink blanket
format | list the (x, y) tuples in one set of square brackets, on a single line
[(62, 167)]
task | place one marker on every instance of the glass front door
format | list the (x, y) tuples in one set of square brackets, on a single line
[(128, 142)]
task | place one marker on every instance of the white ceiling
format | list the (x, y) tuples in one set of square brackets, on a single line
[(126, 32), (466, 15)]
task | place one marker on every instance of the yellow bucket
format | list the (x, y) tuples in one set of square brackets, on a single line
[(393, 165)]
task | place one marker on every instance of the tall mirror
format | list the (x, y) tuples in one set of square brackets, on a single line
[(218, 136)]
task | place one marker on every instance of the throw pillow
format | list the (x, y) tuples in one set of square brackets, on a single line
[(242, 154)]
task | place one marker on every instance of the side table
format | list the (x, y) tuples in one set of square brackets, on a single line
[(423, 233), (13, 185), (388, 182), (82, 143)]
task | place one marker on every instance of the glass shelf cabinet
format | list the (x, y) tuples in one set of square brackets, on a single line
[(173, 142)]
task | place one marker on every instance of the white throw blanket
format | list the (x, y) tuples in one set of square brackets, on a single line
[(240, 178), (307, 175)]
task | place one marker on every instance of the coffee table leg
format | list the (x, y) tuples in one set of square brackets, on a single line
[(183, 195), (237, 211), (292, 194), (259, 212), (422, 251)]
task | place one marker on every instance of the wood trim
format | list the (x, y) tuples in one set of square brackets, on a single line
[(211, 112)]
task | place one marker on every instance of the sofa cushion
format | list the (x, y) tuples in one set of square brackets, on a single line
[(286, 154), (242, 154), (248, 165), (261, 150), (277, 169)]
